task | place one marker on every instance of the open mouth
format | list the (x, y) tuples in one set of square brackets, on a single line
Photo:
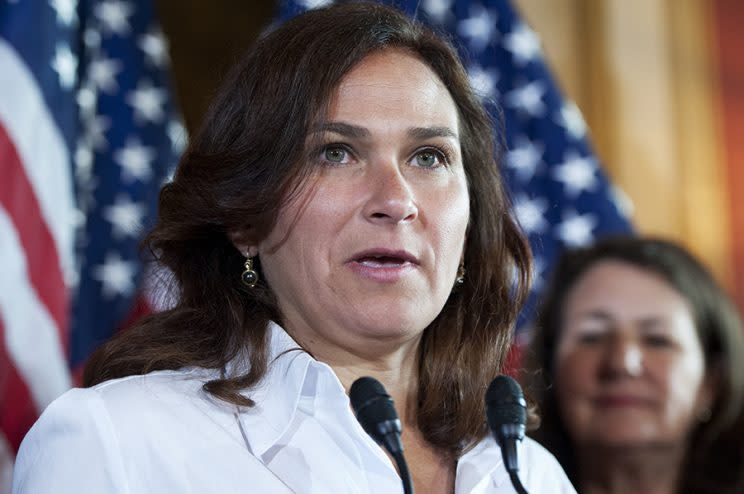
[(385, 259), (381, 261)]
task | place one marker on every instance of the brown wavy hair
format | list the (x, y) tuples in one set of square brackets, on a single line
[(715, 452), (249, 158)]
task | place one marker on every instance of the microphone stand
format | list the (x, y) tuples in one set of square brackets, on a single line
[(405, 476)]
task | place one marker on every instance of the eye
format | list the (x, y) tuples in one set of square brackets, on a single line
[(657, 340), (335, 154), (590, 333), (429, 158), (590, 338)]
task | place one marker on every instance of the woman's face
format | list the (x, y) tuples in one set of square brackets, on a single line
[(368, 253), (629, 369)]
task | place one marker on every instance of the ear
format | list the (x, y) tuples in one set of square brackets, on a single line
[(244, 243)]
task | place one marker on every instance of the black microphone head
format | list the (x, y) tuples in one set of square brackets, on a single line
[(374, 408), (506, 408)]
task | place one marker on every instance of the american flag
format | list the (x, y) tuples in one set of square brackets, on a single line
[(560, 195), (88, 133)]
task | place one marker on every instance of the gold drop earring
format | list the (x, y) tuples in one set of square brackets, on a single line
[(249, 276)]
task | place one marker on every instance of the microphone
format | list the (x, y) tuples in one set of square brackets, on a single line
[(506, 411), (376, 413)]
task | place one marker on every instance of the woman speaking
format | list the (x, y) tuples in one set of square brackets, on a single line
[(339, 214)]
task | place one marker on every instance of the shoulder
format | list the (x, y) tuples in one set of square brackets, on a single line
[(160, 389), (98, 425), (482, 470), (73, 433), (541, 469)]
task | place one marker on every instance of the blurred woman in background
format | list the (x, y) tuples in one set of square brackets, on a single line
[(639, 372)]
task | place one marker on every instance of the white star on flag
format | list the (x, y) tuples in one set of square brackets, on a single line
[(126, 217), (483, 81), (96, 129), (478, 28), (315, 4), (538, 267), (155, 47), (65, 65), (102, 73), (83, 160), (116, 276), (438, 10), (114, 16), (135, 160), (147, 102), (570, 118), (576, 173), (530, 213), (92, 38), (528, 97), (622, 201), (66, 11), (178, 136), (524, 158), (523, 43), (86, 100), (576, 230)]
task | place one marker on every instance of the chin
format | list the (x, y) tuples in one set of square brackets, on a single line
[(392, 322), (626, 435)]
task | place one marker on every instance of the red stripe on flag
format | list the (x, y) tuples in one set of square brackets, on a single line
[(18, 198), (18, 412), (514, 360), (140, 309)]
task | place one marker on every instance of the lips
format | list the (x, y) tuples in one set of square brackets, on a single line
[(623, 401), (382, 265), (384, 258)]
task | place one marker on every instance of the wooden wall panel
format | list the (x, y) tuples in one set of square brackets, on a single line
[(647, 87), (729, 43)]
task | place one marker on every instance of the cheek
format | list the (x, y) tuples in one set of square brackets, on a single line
[(574, 375), (683, 378), (312, 218), (571, 386), (449, 214)]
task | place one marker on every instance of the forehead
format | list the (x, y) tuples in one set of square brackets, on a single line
[(623, 290), (393, 82)]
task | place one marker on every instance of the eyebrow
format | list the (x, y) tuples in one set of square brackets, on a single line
[(429, 132), (343, 129), (357, 132), (593, 314), (646, 323)]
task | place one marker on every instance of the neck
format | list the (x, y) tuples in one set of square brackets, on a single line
[(395, 366), (392, 361), (643, 470), (397, 371)]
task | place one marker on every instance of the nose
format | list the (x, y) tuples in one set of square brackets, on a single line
[(623, 357), (391, 198)]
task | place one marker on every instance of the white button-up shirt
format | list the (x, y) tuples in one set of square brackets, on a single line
[(162, 433)]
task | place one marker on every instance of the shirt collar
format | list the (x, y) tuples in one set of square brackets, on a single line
[(292, 373), (277, 395)]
